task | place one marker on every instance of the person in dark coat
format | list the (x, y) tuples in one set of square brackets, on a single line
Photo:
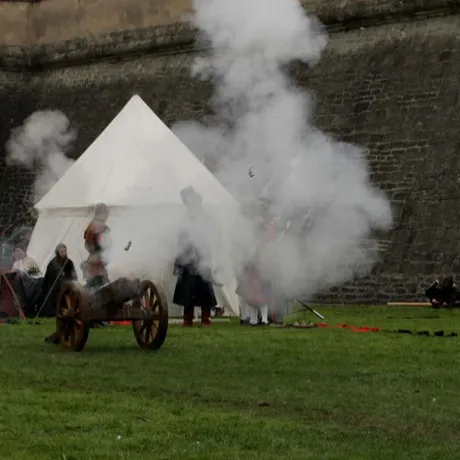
[(194, 283), (59, 270), (442, 294)]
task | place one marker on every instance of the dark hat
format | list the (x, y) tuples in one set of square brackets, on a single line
[(189, 195), (59, 247), (101, 209)]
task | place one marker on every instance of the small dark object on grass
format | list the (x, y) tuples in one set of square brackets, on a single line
[(264, 404), (413, 317), (99, 324), (297, 325), (53, 338), (427, 333), (9, 321)]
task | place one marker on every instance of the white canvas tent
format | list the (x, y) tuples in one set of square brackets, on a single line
[(137, 166)]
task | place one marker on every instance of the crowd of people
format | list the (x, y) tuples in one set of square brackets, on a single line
[(39, 293), (195, 279)]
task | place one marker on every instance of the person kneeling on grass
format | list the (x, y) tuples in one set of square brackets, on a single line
[(442, 294)]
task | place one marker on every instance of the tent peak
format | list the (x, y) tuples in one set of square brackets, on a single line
[(136, 161)]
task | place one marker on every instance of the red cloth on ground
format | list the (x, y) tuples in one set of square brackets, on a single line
[(351, 328)]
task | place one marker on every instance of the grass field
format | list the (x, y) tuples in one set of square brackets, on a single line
[(236, 392)]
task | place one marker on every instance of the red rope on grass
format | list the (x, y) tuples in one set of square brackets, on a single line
[(351, 328)]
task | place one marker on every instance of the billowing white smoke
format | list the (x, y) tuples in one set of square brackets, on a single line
[(317, 186), (40, 145)]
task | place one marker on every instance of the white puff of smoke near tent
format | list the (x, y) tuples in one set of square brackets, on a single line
[(40, 145)]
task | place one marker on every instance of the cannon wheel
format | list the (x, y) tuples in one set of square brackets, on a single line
[(73, 331), (151, 334)]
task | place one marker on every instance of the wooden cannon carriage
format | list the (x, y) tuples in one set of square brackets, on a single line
[(143, 303)]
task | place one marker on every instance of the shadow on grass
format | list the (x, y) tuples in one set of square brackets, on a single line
[(101, 348)]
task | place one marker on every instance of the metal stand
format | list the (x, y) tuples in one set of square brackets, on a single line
[(306, 307), (3, 254)]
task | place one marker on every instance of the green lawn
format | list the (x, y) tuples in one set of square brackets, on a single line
[(236, 392)]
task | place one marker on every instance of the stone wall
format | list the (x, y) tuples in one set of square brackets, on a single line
[(393, 89), (38, 22), (52, 21), (387, 83), (17, 101)]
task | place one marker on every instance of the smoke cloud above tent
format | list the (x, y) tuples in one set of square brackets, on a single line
[(263, 143)]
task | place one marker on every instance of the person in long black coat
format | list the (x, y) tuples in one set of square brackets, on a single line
[(59, 269), (194, 284)]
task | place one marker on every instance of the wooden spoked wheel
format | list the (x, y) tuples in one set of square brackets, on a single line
[(73, 331), (151, 334)]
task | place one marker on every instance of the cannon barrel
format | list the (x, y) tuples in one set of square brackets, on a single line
[(116, 301), (115, 294)]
